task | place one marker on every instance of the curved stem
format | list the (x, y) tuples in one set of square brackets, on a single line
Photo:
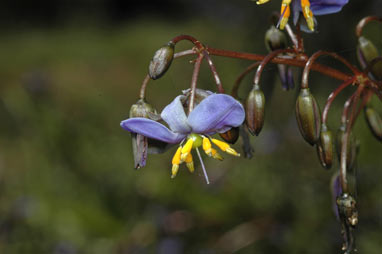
[(142, 93), (280, 60), (372, 63), (236, 86), (214, 72), (266, 60), (313, 58), (190, 38), (331, 98), (363, 22), (194, 81)]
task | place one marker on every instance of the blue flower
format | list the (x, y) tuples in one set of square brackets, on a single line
[(308, 8), (217, 113)]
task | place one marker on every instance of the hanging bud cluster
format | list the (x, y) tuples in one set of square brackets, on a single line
[(308, 116), (161, 61), (254, 109)]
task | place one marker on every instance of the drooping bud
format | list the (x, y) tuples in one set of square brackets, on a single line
[(161, 61), (254, 109), (325, 147), (308, 116), (374, 121), (275, 39), (351, 151), (139, 142), (347, 209), (230, 136), (366, 52)]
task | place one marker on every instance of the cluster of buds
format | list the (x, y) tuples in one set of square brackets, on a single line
[(193, 117)]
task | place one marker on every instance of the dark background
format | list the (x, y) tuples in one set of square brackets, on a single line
[(69, 72)]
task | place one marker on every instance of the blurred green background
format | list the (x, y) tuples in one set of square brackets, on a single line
[(69, 72)]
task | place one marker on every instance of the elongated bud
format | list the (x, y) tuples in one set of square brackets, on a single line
[(275, 39), (308, 116), (139, 142), (161, 61), (366, 52), (254, 109), (351, 151), (374, 122), (230, 136), (325, 147)]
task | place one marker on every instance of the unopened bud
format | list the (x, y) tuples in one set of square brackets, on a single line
[(308, 116), (139, 142), (275, 39), (325, 147), (161, 61), (374, 121), (254, 109), (366, 52), (230, 136)]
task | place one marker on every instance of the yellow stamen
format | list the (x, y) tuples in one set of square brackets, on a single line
[(216, 155), (262, 1), (207, 146), (285, 13), (175, 162), (225, 147), (190, 163), (186, 149), (305, 6)]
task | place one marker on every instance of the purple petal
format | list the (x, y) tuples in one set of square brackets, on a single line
[(216, 113), (320, 7), (173, 114), (336, 192), (151, 129)]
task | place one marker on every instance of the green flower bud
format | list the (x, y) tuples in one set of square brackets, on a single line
[(366, 52), (325, 147), (275, 39), (254, 109), (141, 109), (351, 152), (308, 116), (161, 61), (140, 143), (374, 122), (230, 136)]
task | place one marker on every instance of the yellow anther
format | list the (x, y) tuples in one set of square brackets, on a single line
[(176, 158), (174, 170), (285, 13), (225, 147), (216, 155), (207, 146), (305, 6), (190, 163), (175, 162), (262, 1), (186, 149)]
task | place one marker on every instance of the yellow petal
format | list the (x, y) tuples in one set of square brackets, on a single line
[(186, 149), (176, 157), (216, 155), (207, 146), (225, 147)]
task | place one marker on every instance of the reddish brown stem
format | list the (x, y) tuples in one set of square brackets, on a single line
[(236, 86), (313, 58), (194, 81), (214, 72), (266, 60), (363, 22), (331, 98), (190, 38), (281, 60)]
